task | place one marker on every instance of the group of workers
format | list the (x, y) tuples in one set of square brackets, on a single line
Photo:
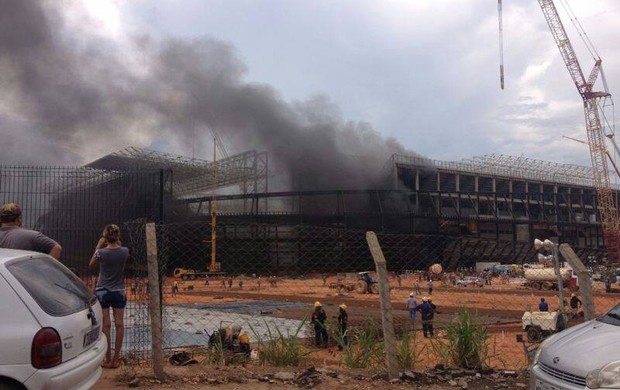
[(320, 327), (574, 305), (427, 310)]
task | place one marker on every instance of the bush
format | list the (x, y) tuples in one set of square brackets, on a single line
[(407, 353), (366, 349), (278, 349), (466, 341)]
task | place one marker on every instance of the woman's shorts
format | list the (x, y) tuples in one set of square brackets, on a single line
[(114, 299)]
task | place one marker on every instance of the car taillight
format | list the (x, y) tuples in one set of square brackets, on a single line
[(46, 349)]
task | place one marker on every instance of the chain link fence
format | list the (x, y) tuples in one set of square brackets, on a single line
[(264, 280)]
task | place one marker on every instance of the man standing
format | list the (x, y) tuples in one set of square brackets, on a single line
[(13, 236), (318, 320), (430, 287), (427, 317), (411, 306), (343, 319)]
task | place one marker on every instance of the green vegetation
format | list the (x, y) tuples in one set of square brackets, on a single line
[(278, 349), (408, 354), (366, 349), (466, 342)]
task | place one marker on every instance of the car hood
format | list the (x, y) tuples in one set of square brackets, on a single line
[(583, 348)]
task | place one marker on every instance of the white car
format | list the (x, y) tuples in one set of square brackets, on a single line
[(586, 356), (50, 325)]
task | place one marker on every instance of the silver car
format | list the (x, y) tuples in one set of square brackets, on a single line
[(586, 356)]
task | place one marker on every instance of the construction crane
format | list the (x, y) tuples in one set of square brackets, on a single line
[(594, 128)]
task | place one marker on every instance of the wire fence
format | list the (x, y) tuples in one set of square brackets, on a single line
[(265, 280)]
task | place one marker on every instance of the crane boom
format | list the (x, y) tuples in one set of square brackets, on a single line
[(594, 129)]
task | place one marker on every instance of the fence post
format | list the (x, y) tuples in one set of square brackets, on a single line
[(154, 301), (387, 321), (585, 282)]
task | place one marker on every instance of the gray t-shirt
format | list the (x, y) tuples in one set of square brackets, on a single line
[(111, 267), (14, 237)]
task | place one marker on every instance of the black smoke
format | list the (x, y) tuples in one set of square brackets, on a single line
[(69, 95)]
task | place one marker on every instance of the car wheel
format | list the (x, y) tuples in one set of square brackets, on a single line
[(534, 334), (6, 384)]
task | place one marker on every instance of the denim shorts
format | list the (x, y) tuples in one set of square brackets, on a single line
[(114, 299)]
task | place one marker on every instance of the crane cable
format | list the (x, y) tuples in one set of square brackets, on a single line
[(501, 44), (580, 30)]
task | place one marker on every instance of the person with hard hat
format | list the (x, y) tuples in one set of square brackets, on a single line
[(412, 304), (427, 317), (244, 343), (343, 318), (318, 320)]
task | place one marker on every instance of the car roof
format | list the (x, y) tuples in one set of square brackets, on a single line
[(12, 254)]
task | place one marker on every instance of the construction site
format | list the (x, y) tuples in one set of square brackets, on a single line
[(258, 237)]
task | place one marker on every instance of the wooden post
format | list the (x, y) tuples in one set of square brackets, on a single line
[(585, 281), (154, 301), (387, 321)]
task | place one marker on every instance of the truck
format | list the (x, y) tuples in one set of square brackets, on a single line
[(191, 274), (545, 278)]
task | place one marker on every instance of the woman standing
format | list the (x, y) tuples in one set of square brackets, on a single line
[(111, 257)]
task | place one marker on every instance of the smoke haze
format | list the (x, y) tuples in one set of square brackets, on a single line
[(71, 94)]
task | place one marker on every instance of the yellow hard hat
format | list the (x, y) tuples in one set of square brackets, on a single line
[(317, 304), (343, 306)]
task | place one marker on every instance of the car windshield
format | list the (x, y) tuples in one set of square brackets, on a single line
[(55, 289), (612, 317)]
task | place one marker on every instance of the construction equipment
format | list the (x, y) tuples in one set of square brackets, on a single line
[(191, 274), (545, 278), (366, 284), (541, 324), (592, 103)]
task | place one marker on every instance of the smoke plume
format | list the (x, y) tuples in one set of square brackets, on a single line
[(71, 94)]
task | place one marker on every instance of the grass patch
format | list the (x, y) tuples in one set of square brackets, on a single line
[(465, 343), (407, 353), (278, 349), (366, 349)]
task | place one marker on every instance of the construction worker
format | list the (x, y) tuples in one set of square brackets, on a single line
[(318, 320), (343, 336), (426, 309), (416, 286), (244, 343), (411, 306), (543, 306), (430, 286), (575, 304)]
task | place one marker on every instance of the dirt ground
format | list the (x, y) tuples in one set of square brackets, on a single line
[(498, 307), (261, 378)]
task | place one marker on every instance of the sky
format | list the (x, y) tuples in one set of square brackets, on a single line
[(373, 77)]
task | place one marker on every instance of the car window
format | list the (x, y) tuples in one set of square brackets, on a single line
[(55, 289), (611, 317)]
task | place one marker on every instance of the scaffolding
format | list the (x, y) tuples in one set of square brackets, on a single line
[(505, 166), (193, 177)]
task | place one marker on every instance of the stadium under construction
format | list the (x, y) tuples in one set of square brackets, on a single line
[(496, 205)]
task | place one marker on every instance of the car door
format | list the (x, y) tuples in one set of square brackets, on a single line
[(58, 299)]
